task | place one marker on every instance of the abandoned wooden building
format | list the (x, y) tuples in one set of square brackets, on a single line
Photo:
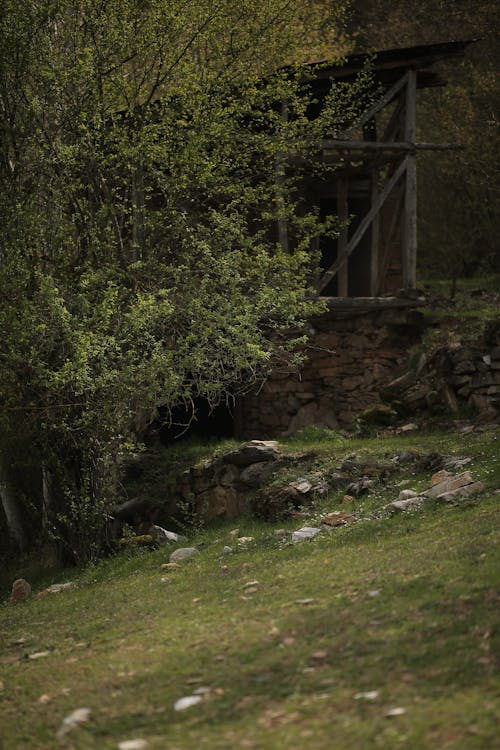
[(368, 275)]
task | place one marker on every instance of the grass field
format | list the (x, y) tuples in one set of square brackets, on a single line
[(283, 636)]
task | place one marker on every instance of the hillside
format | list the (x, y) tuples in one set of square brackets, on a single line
[(378, 633)]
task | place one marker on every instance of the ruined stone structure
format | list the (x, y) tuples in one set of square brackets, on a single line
[(368, 274)]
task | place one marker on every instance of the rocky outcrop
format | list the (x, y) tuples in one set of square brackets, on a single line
[(453, 377), (221, 487)]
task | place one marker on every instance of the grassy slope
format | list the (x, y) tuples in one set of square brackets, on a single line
[(283, 672)]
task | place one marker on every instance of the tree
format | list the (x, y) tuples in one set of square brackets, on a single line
[(143, 164)]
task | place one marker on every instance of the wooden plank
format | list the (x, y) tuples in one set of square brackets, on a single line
[(374, 259), (336, 145), (410, 209), (360, 231), (343, 215), (383, 102)]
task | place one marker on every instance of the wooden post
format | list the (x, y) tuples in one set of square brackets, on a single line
[(374, 260), (343, 215), (410, 212)]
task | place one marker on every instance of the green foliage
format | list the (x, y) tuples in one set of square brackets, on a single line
[(143, 163)]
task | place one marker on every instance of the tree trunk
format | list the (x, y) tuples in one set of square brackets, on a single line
[(11, 507)]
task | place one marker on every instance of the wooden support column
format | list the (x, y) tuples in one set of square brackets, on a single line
[(410, 212), (374, 259), (343, 214)]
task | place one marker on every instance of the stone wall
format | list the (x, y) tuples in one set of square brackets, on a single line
[(351, 355)]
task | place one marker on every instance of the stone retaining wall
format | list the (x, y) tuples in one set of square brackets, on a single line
[(350, 357)]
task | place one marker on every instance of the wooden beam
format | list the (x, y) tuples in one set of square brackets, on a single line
[(336, 145), (365, 223), (343, 215), (374, 259), (410, 209), (383, 102)]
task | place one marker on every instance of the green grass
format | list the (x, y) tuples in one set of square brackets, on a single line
[(283, 672)]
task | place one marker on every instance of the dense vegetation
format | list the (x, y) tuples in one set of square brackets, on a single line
[(142, 176)]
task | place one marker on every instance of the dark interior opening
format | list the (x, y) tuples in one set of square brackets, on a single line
[(359, 262), (206, 423)]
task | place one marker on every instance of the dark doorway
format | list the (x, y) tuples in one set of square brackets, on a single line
[(206, 422)]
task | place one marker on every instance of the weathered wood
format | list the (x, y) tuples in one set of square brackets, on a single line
[(383, 102), (343, 215), (365, 223), (410, 209), (336, 145), (371, 303), (374, 259)]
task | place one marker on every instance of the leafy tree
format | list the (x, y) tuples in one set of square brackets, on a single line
[(143, 164)]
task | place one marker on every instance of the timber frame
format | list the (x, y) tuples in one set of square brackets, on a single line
[(375, 181)]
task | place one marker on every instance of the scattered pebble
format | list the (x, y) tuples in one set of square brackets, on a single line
[(374, 592), (398, 711), (133, 745), (306, 532), (38, 655), (187, 702), (368, 695), (183, 553), (72, 720), (227, 550)]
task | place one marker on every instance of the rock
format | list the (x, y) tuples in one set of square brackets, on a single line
[(347, 500), (303, 486), (233, 534), (410, 427), (227, 475), (339, 481), (187, 702), (406, 457), (219, 501), (162, 537), (360, 488), (74, 719), (280, 533), (395, 712), (407, 494), (465, 491), (255, 451), (183, 553), (411, 503), (337, 518), (306, 532), (256, 474), (312, 414), (368, 695), (133, 745), (275, 502), (244, 540), (444, 481), (227, 550), (21, 590), (56, 588)]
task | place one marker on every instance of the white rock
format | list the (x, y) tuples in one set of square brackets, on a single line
[(406, 494), (133, 745), (183, 553), (227, 550), (306, 532), (72, 720), (162, 536), (187, 702), (369, 695), (56, 588), (398, 711), (412, 503)]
